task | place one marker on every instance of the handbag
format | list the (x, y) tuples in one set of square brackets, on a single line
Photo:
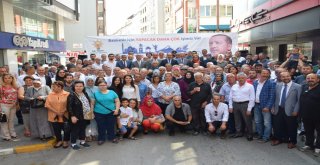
[(36, 103), (88, 115), (3, 117)]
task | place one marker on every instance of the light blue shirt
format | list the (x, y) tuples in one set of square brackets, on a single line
[(107, 100)]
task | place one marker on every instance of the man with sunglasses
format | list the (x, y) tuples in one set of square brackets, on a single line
[(217, 115)]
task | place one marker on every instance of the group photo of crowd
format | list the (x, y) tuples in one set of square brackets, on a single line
[(116, 97)]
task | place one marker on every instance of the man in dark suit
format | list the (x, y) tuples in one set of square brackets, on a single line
[(285, 111), (206, 58), (124, 63), (139, 63), (45, 79), (264, 89), (169, 60), (180, 57)]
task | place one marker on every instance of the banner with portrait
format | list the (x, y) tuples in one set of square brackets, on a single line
[(215, 43)]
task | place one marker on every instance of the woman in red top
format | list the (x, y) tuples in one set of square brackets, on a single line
[(9, 97), (152, 115)]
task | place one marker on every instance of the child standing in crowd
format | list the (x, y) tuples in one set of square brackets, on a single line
[(126, 120)]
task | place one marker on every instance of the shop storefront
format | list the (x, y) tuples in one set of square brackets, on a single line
[(275, 27), (31, 49)]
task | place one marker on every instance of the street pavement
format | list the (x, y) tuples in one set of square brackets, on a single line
[(161, 149)]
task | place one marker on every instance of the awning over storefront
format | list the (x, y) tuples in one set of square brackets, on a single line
[(214, 27)]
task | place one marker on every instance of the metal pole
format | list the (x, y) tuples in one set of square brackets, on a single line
[(218, 15)]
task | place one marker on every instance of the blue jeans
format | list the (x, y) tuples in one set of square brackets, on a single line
[(105, 123), (263, 122)]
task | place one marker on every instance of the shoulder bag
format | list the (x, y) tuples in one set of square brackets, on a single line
[(104, 105)]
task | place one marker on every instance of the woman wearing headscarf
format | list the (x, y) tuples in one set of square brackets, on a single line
[(91, 130), (184, 85), (220, 61), (152, 114), (39, 125)]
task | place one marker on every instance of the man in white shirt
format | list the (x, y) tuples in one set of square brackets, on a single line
[(240, 59), (97, 64), (103, 58), (217, 115), (111, 63), (144, 73), (241, 102), (30, 71)]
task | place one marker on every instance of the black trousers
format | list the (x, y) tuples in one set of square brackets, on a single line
[(173, 126), (311, 125), (78, 130), (198, 119), (285, 127), (57, 128), (217, 125), (163, 108)]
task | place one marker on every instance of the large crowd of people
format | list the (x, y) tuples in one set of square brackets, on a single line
[(115, 97)]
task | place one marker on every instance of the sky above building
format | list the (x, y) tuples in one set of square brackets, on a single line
[(117, 11)]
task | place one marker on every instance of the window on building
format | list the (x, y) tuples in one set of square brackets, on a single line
[(192, 12), (213, 10), (229, 11), (28, 23), (205, 11), (202, 11), (222, 10)]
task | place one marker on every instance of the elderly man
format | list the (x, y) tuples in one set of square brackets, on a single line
[(97, 64), (178, 115), (200, 95), (217, 116), (224, 92), (139, 63), (45, 80), (241, 102)]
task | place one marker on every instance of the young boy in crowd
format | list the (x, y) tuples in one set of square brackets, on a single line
[(126, 120)]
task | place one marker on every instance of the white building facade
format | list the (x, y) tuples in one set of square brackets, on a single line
[(33, 31)]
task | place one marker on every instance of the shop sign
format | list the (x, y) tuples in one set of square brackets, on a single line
[(24, 41), (254, 18), (74, 54)]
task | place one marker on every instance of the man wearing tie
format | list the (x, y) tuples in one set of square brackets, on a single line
[(169, 60), (124, 63), (285, 111), (139, 63)]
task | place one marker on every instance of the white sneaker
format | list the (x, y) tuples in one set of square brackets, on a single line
[(305, 148)]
